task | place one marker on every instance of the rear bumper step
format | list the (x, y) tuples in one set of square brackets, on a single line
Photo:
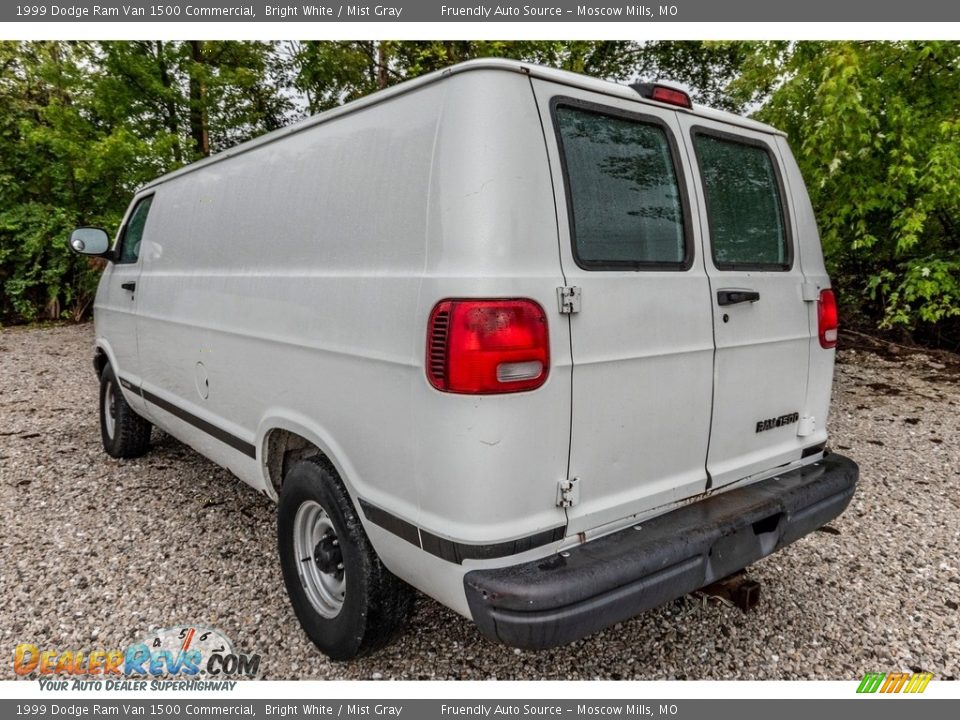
[(562, 598)]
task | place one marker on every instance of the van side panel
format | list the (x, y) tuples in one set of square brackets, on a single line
[(290, 273)]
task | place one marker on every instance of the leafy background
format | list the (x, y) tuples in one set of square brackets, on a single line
[(875, 127)]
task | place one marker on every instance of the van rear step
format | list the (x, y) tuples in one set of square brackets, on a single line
[(562, 598)]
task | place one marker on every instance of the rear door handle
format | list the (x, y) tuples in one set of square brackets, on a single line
[(733, 296), (131, 286)]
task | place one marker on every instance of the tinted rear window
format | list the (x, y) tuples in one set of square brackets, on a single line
[(623, 192), (744, 205)]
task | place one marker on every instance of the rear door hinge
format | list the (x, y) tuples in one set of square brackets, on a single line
[(811, 292), (568, 492), (568, 298)]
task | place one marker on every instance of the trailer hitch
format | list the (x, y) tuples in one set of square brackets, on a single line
[(735, 590)]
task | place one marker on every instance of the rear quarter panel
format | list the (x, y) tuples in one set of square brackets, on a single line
[(820, 382)]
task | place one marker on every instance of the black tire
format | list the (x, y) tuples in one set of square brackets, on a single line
[(129, 434), (374, 604)]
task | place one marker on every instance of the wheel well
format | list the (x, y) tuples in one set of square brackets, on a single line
[(285, 448), (100, 361)]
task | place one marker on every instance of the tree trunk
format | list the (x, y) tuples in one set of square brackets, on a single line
[(381, 65), (170, 106), (198, 111)]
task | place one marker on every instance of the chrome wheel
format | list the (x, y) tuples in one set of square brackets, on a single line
[(110, 409), (320, 563)]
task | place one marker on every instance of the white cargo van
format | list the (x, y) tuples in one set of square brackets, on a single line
[(549, 349)]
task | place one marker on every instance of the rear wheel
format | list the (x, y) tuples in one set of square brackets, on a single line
[(347, 602), (124, 433)]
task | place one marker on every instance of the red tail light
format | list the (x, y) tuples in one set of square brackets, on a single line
[(487, 346), (827, 319)]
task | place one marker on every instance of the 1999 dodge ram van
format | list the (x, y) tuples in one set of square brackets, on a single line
[(549, 349)]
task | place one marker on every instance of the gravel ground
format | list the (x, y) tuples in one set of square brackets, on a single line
[(97, 551)]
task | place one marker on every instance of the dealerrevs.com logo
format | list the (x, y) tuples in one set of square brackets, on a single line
[(178, 658)]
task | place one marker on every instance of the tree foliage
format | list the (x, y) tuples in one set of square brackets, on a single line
[(83, 124), (331, 73), (875, 127)]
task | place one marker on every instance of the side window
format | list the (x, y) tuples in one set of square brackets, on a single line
[(623, 193), (744, 204), (133, 232)]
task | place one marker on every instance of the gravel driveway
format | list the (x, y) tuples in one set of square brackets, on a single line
[(98, 551)]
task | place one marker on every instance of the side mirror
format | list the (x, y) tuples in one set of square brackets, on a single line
[(90, 241)]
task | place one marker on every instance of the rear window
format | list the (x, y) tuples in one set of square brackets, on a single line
[(744, 204), (623, 193)]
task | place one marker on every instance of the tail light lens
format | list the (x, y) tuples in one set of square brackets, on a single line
[(487, 346), (671, 96), (827, 319), (663, 93)]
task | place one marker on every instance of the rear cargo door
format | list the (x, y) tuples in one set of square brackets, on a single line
[(642, 338), (760, 317)]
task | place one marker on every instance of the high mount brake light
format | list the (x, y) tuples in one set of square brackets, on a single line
[(663, 93), (487, 346), (827, 319)]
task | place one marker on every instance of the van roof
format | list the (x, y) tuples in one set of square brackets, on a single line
[(562, 77)]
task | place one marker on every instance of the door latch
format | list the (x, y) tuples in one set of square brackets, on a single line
[(568, 492), (734, 296)]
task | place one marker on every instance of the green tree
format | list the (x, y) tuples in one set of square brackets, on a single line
[(83, 124), (876, 128), (57, 170)]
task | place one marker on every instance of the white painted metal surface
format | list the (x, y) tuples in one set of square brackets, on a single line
[(762, 347), (643, 362)]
